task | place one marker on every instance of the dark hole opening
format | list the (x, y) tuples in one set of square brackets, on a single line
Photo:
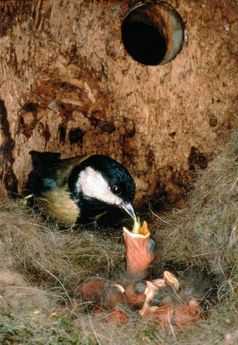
[(143, 41)]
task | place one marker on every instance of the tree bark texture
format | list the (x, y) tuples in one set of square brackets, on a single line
[(68, 85)]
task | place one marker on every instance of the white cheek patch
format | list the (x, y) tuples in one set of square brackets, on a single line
[(93, 185)]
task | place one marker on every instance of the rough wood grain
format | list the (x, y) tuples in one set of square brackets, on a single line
[(67, 85)]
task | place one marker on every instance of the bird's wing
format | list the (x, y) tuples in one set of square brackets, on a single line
[(50, 171), (65, 167)]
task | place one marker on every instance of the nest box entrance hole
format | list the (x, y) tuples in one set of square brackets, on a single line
[(152, 33)]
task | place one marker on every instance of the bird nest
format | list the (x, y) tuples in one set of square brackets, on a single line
[(42, 268)]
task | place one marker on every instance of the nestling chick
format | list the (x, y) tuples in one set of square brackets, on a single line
[(79, 188)]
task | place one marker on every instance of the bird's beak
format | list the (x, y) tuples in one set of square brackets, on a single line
[(126, 206)]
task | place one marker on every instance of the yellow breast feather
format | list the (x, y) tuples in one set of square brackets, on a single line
[(60, 206)]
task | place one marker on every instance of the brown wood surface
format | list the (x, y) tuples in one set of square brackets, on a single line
[(68, 85)]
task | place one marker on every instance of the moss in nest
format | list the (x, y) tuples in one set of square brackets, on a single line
[(32, 330)]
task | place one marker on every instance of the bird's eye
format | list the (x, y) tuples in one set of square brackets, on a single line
[(116, 190)]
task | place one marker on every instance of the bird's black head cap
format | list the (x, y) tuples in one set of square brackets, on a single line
[(117, 176)]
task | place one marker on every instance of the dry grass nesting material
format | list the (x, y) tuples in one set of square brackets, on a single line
[(202, 236), (48, 256), (206, 231)]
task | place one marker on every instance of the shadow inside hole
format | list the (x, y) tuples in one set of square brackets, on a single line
[(144, 42)]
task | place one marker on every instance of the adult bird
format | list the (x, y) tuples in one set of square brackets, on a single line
[(81, 188)]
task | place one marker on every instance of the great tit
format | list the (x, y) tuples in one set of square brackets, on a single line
[(81, 188)]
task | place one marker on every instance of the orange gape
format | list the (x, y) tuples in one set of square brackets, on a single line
[(144, 229), (138, 253)]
